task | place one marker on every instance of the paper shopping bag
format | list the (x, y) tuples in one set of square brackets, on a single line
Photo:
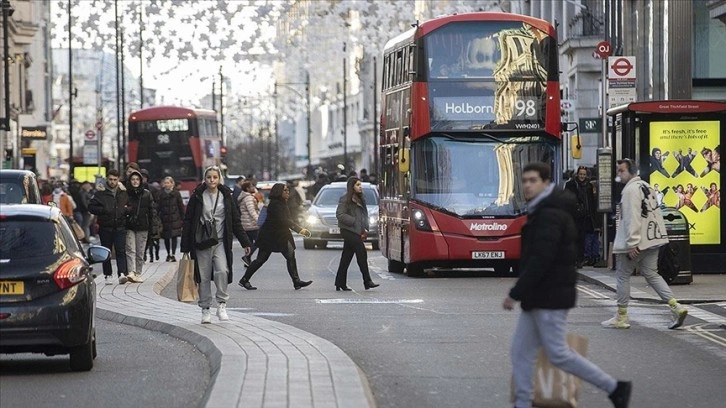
[(554, 388), (186, 288), (80, 234)]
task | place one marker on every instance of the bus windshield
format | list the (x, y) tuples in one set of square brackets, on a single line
[(164, 148), (475, 177)]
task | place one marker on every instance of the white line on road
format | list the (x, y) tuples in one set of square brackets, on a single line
[(592, 293), (271, 314), (705, 315), (699, 330), (367, 301)]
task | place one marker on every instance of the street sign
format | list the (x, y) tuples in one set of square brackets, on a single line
[(621, 81), (567, 105), (603, 49), (90, 137), (90, 154), (590, 125)]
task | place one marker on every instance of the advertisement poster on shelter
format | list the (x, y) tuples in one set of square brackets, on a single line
[(685, 166)]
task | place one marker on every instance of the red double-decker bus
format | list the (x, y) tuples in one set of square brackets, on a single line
[(174, 141), (467, 101)]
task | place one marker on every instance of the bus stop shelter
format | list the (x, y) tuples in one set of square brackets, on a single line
[(677, 145)]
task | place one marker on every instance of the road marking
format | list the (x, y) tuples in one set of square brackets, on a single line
[(367, 301), (704, 332), (270, 314), (240, 308), (705, 315), (385, 275), (592, 293)]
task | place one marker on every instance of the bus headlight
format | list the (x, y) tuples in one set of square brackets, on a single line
[(419, 220), (312, 219)]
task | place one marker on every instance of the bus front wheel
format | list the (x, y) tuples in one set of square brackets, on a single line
[(395, 266)]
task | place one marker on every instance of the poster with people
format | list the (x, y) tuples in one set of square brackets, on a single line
[(685, 167)]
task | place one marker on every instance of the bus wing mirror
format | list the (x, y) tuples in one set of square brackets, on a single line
[(404, 156)]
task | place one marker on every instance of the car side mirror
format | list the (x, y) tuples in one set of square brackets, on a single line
[(98, 254)]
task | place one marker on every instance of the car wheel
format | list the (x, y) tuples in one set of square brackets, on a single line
[(82, 357), (376, 246), (322, 244), (308, 244), (395, 266), (414, 270)]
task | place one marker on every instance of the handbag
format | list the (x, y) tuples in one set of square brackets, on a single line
[(80, 234), (554, 388), (206, 235), (262, 217), (132, 220), (186, 287)]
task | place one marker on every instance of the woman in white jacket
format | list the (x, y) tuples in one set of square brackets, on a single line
[(250, 213)]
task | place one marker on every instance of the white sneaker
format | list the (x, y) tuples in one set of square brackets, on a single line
[(122, 279), (619, 321), (678, 314), (206, 316), (135, 278), (107, 279), (222, 312)]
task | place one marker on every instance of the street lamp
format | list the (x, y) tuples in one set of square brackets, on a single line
[(7, 12), (307, 108)]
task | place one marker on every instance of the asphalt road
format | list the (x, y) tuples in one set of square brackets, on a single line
[(443, 340), (134, 367)]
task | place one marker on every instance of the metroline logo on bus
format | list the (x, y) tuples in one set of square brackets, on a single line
[(487, 226)]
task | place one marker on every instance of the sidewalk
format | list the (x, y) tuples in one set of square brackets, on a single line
[(254, 362), (705, 288)]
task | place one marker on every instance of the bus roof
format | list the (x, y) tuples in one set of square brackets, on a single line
[(169, 112), (431, 25)]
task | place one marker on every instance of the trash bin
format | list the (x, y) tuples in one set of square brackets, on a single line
[(674, 259)]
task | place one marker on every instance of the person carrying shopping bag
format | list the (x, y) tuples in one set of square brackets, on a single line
[(211, 222), (275, 236), (352, 217)]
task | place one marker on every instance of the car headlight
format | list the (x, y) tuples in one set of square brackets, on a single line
[(312, 219), (373, 219)]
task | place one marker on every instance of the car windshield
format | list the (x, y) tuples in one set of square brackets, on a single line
[(23, 239), (475, 177), (329, 197)]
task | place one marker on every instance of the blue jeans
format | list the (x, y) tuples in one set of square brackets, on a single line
[(592, 245), (548, 329), (114, 238)]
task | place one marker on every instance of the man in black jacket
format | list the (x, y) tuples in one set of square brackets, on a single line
[(109, 205), (546, 289)]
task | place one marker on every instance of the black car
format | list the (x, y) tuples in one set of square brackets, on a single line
[(19, 187), (47, 288)]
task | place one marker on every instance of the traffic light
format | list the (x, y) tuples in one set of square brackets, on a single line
[(223, 152), (575, 146)]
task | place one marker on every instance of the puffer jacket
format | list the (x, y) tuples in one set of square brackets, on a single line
[(249, 211), (547, 272), (171, 212), (352, 216), (141, 208), (110, 210)]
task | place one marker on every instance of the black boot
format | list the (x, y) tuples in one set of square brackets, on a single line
[(621, 396), (292, 271)]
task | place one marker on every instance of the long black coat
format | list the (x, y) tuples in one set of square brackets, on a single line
[(549, 250), (275, 232), (141, 204), (171, 212), (232, 227), (586, 211)]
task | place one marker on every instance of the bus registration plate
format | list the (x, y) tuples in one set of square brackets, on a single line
[(487, 255)]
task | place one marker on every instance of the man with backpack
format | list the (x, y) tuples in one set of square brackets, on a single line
[(639, 235)]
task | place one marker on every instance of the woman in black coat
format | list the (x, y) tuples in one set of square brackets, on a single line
[(353, 222), (171, 211), (211, 203), (275, 236), (140, 213)]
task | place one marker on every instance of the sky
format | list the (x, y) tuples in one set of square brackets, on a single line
[(185, 41)]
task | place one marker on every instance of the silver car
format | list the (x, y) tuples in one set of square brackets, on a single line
[(322, 223)]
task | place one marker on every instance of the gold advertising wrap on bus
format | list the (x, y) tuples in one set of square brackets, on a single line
[(685, 170)]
